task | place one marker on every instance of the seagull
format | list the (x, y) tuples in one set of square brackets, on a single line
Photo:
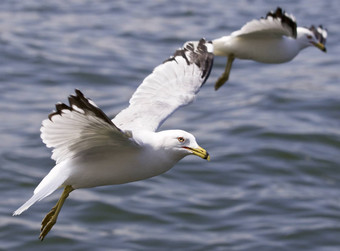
[(274, 39), (92, 150)]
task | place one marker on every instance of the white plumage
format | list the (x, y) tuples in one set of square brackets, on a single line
[(91, 150), (274, 39), (161, 94)]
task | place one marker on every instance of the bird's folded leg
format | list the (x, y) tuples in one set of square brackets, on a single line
[(225, 76), (51, 218)]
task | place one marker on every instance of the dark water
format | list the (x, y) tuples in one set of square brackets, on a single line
[(273, 131)]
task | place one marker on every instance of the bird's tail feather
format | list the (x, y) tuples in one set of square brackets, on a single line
[(48, 185)]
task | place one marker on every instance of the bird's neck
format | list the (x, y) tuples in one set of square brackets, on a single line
[(301, 38)]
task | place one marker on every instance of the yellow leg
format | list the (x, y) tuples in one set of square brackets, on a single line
[(225, 75), (51, 218)]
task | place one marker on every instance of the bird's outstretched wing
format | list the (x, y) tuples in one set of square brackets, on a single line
[(320, 33), (80, 127), (171, 85), (275, 24)]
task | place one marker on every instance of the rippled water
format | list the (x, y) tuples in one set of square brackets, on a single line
[(272, 131)]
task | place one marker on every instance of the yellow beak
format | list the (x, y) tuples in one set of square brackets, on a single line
[(320, 46), (200, 152)]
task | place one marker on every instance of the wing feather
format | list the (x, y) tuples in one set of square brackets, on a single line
[(171, 85), (79, 128), (277, 23)]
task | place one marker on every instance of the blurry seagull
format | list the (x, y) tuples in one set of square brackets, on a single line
[(274, 39), (91, 150)]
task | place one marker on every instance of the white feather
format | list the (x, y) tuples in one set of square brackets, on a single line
[(68, 133), (52, 181), (171, 85), (263, 28)]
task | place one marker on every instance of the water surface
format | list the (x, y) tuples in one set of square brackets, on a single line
[(272, 131)]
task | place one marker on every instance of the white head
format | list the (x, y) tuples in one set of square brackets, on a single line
[(312, 37), (180, 143)]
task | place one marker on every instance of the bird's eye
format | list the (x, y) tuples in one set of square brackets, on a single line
[(309, 36), (181, 139)]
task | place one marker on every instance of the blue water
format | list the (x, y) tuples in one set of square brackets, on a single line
[(273, 131)]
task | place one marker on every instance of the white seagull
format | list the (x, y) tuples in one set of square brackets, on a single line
[(91, 150), (274, 39)]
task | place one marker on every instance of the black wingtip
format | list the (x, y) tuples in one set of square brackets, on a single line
[(203, 57), (320, 34), (59, 107), (200, 53), (79, 93), (285, 19), (79, 103)]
